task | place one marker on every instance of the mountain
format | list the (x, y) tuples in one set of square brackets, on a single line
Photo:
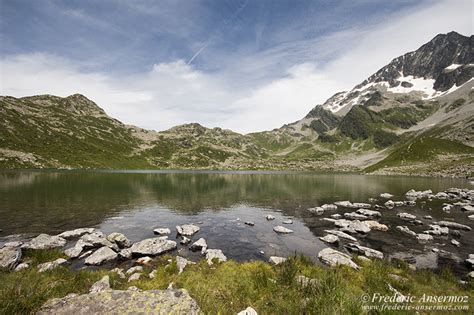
[(413, 116)]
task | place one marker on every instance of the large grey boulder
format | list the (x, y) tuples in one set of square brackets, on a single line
[(333, 257), (153, 246), (76, 233), (123, 302), (45, 241), (282, 230), (9, 257), (187, 229), (100, 256), (366, 251), (212, 254), (118, 238)]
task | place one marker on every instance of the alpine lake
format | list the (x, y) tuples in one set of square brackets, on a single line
[(220, 202)]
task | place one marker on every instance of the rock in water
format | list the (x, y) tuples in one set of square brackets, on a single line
[(330, 238), (270, 217), (341, 235), (329, 207), (9, 257), (374, 225), (454, 225), (153, 246), (118, 238), (162, 231), (45, 241), (424, 237), (317, 210), (124, 302), (76, 233), (212, 254), (405, 230), (100, 256), (386, 195), (248, 311), (187, 229), (369, 213), (406, 216), (366, 251), (355, 216), (282, 230), (333, 257), (275, 260), (200, 244), (101, 285)]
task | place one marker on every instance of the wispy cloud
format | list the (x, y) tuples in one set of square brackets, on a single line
[(242, 89)]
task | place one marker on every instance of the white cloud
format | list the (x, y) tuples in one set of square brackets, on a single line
[(175, 93)]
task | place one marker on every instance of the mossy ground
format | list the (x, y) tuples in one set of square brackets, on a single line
[(230, 287)]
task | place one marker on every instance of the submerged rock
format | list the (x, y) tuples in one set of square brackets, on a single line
[(282, 230), (366, 251), (76, 233), (275, 260), (100, 256), (9, 257), (212, 254), (187, 229), (153, 246), (51, 265), (124, 302), (45, 241), (333, 257)]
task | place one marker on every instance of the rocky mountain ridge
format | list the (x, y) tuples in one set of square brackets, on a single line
[(422, 98)]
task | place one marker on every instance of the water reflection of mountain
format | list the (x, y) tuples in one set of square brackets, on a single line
[(66, 199)]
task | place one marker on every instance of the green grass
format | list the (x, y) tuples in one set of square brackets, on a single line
[(421, 149), (231, 287)]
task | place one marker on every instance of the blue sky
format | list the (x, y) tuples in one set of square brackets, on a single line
[(244, 65)]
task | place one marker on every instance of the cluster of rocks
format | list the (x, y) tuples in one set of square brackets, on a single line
[(364, 220)]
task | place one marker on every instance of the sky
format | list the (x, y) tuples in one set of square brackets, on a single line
[(245, 65)]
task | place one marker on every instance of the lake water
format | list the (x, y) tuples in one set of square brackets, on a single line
[(136, 202)]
